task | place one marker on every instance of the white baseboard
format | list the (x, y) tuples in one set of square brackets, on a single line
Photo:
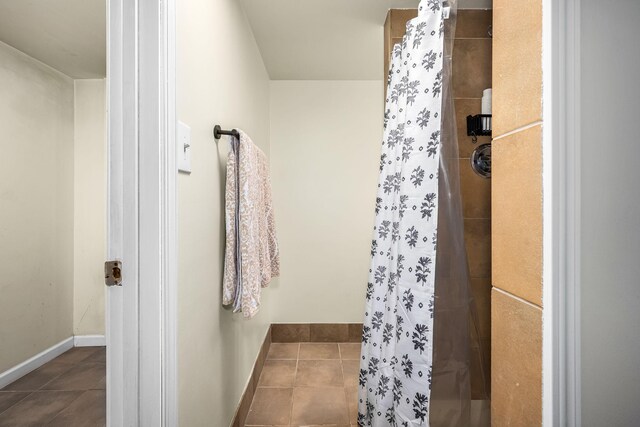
[(18, 371), (89, 341)]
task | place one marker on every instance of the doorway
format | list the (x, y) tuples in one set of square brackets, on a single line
[(91, 179)]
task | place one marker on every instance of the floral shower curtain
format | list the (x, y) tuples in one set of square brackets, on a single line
[(397, 352)]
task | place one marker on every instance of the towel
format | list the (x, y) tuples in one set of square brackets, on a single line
[(252, 257)]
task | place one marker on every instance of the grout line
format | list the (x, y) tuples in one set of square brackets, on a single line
[(66, 407), (522, 300), (344, 386), (29, 393), (54, 378), (293, 385), (520, 129)]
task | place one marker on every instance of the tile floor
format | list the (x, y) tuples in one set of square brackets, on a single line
[(307, 384), (68, 391)]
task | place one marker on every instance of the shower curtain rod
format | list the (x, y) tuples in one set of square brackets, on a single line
[(218, 132)]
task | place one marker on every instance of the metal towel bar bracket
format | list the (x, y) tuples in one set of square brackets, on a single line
[(218, 132)]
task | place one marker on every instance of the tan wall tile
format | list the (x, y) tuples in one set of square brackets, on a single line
[(471, 67), (290, 332), (355, 332), (481, 370), (517, 64), (517, 214), (473, 23), (477, 236), (394, 29), (516, 365), (481, 291), (476, 192), (399, 18), (329, 332)]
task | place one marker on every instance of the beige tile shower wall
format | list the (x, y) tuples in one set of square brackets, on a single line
[(221, 80), (471, 75), (36, 207), (517, 214)]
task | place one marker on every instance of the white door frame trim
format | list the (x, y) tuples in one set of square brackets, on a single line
[(142, 315), (561, 194)]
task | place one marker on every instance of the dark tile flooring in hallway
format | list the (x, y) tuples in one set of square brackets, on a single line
[(67, 391), (307, 384)]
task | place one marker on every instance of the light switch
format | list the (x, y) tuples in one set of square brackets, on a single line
[(183, 144)]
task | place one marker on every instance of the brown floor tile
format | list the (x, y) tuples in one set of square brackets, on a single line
[(38, 378), (88, 410), (319, 373), (271, 406), (352, 403), (38, 408), (317, 351), (278, 373), (77, 355), (10, 398), (102, 384), (84, 376), (351, 371), (350, 351), (319, 405), (100, 356), (283, 351)]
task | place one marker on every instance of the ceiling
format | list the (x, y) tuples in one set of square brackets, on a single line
[(325, 39), (298, 39), (68, 35)]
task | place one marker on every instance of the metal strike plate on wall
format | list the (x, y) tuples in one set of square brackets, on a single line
[(113, 273)]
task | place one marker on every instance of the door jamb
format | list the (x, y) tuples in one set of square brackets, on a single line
[(142, 314), (561, 189)]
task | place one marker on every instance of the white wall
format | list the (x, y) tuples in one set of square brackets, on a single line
[(325, 153), (89, 207), (610, 215), (36, 207), (221, 80)]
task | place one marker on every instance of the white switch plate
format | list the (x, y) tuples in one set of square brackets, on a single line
[(183, 145)]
